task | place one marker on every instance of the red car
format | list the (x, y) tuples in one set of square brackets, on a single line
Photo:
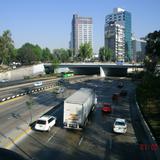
[(106, 107)]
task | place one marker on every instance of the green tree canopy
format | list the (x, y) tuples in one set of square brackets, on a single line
[(105, 54), (62, 54), (28, 54), (46, 55), (6, 47), (85, 51), (152, 51)]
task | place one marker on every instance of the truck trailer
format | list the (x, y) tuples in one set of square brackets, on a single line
[(77, 108)]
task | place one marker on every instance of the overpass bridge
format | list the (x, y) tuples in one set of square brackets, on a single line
[(102, 69)]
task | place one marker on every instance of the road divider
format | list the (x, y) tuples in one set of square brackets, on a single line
[(27, 92), (43, 88)]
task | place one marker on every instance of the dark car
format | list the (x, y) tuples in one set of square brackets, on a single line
[(106, 107), (61, 81), (115, 96), (120, 85), (123, 93)]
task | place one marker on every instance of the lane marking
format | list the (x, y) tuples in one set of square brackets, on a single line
[(80, 141), (52, 136)]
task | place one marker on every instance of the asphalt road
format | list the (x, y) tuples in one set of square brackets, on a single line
[(16, 112), (97, 141), (7, 90)]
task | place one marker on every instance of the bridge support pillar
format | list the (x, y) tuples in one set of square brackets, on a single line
[(102, 73)]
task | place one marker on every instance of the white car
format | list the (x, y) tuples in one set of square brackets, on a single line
[(45, 123), (120, 126), (39, 83), (60, 90), (4, 80)]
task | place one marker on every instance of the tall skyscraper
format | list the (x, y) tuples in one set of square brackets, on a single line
[(123, 18), (81, 32), (114, 39)]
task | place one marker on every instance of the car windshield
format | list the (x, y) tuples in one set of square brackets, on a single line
[(120, 123), (41, 122)]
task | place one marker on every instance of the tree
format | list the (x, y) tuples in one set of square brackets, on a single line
[(62, 54), (26, 55), (46, 55), (6, 47), (85, 51), (38, 52), (152, 51), (29, 54), (55, 62), (105, 54)]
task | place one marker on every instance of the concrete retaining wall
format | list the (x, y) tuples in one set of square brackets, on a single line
[(20, 73)]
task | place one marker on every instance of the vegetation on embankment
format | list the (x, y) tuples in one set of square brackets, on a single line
[(148, 97)]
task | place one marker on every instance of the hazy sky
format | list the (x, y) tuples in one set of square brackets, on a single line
[(48, 22)]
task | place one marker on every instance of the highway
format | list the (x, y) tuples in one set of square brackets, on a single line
[(25, 86), (96, 141), (15, 114)]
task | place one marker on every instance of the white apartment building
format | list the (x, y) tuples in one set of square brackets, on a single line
[(82, 32), (114, 39)]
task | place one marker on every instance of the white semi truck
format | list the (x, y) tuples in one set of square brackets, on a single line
[(77, 108)]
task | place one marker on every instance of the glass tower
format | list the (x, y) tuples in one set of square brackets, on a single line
[(121, 17)]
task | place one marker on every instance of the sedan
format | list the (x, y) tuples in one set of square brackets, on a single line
[(39, 83), (106, 107), (120, 85), (4, 80), (120, 126)]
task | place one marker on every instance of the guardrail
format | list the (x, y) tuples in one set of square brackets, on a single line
[(28, 92)]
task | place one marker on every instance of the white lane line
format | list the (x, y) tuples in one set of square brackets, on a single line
[(52, 136), (80, 141)]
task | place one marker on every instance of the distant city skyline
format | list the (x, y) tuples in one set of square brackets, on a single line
[(48, 23)]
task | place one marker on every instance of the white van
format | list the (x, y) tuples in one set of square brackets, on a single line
[(45, 123)]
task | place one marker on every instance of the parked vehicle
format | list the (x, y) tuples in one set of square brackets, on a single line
[(38, 83), (120, 126), (45, 123), (106, 107), (77, 108)]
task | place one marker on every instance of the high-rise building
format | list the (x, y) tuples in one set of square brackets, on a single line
[(81, 32), (114, 39), (138, 49), (123, 18)]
